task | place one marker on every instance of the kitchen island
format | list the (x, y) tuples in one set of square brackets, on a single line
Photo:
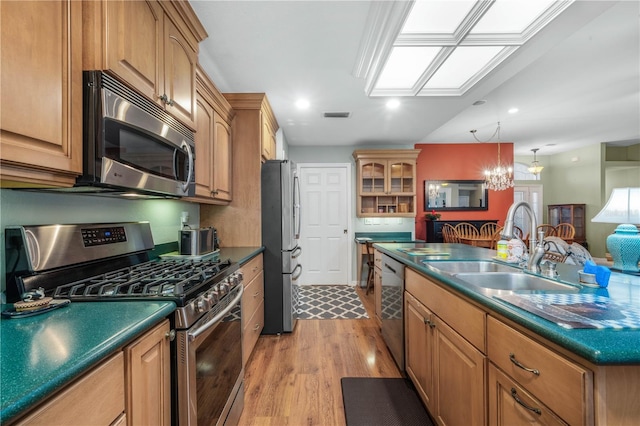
[(42, 354), (503, 362)]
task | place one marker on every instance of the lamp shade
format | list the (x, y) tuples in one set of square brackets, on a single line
[(623, 206)]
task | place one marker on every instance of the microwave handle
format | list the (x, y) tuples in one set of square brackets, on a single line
[(186, 146)]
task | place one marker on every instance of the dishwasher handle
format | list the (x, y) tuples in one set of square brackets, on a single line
[(386, 265)]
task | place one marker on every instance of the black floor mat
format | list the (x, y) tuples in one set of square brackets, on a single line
[(374, 401)]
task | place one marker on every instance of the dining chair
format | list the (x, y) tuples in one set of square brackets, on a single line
[(488, 229), (467, 230), (566, 231), (549, 230), (370, 265), (449, 234), (496, 237)]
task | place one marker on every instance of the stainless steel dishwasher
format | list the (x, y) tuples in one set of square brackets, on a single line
[(392, 308)]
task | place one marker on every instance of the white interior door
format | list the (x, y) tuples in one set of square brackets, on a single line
[(324, 234), (533, 195)]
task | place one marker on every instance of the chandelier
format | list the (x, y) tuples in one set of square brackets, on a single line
[(500, 177), (535, 168), (434, 190)]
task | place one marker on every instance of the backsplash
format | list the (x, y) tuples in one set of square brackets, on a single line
[(39, 208)]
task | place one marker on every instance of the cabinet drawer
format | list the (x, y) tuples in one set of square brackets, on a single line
[(562, 385), (466, 319), (253, 295), (251, 269), (510, 404), (97, 398), (251, 331)]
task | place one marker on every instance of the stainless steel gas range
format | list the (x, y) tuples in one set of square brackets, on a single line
[(112, 262)]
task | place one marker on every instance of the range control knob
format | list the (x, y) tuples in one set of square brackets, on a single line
[(240, 276), (201, 304)]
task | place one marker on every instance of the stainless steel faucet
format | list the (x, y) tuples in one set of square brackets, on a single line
[(536, 247)]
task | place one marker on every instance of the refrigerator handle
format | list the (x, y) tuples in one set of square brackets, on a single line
[(296, 207), (296, 252), (297, 271)]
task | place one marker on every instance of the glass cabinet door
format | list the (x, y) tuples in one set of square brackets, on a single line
[(401, 178), (372, 178)]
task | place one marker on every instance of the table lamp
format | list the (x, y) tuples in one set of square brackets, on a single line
[(623, 207)]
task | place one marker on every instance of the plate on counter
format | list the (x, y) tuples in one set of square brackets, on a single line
[(54, 304)]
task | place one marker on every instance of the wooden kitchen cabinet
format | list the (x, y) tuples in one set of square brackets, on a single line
[(268, 138), (240, 223), (151, 45), (512, 405), (252, 305), (213, 143), (419, 336), (377, 286), (386, 182), (557, 382), (96, 398), (148, 378), (41, 102), (447, 361)]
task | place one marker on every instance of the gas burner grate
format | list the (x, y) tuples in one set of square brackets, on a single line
[(165, 278)]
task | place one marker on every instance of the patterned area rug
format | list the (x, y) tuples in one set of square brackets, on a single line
[(329, 302)]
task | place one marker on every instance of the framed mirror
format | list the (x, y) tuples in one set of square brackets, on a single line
[(455, 195)]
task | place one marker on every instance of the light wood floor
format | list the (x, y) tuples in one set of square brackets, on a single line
[(294, 379)]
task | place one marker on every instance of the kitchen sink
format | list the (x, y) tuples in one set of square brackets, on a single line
[(513, 281), (459, 267)]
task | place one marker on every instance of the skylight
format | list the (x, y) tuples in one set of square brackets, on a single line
[(444, 47)]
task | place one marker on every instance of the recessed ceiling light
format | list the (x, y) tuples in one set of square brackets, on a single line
[(393, 103), (513, 110), (302, 104)]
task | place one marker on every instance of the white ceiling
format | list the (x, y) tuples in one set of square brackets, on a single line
[(576, 83)]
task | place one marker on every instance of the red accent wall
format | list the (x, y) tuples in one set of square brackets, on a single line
[(462, 162)]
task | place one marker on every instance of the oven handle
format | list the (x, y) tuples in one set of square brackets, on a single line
[(192, 335)]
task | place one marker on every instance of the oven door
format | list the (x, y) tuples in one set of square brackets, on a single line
[(209, 367)]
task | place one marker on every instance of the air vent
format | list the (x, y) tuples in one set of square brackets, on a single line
[(337, 114)]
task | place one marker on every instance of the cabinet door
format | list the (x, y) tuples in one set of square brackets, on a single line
[(204, 148), (41, 102), (135, 44), (510, 405), (401, 178), (180, 61), (268, 141), (221, 159), (459, 382), (149, 378), (419, 338), (373, 177)]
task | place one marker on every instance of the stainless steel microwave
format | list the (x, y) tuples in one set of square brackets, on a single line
[(131, 144)]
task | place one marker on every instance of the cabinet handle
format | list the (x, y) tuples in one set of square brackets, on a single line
[(430, 323), (164, 98), (514, 395), (513, 359), (214, 193), (257, 327), (170, 102), (256, 294), (171, 335)]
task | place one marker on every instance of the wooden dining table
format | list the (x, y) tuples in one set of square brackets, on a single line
[(477, 241)]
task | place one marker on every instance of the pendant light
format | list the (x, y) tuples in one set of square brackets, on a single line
[(535, 168)]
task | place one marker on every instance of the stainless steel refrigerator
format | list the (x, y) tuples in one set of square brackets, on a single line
[(280, 234)]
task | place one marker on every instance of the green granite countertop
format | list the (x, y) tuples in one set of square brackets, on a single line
[(43, 353), (240, 254), (600, 346), (361, 237)]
